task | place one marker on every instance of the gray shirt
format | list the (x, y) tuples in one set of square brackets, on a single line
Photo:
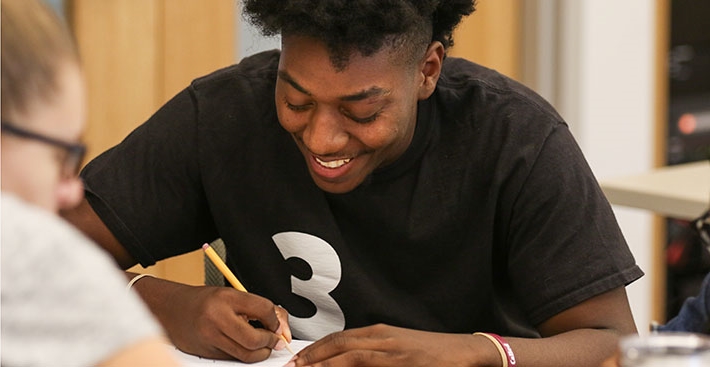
[(64, 302)]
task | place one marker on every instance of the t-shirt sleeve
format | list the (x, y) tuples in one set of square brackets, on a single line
[(565, 243), (64, 301), (148, 188)]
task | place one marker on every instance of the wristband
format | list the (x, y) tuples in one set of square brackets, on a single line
[(510, 356), (137, 278), (506, 352)]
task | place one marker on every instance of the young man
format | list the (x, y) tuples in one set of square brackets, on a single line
[(63, 300), (393, 200)]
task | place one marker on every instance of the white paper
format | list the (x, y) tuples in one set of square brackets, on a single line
[(278, 358)]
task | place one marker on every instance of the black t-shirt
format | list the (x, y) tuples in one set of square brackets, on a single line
[(490, 221)]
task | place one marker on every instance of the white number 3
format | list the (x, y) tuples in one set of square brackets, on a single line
[(326, 269)]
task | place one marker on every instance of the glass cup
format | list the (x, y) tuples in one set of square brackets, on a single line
[(665, 350)]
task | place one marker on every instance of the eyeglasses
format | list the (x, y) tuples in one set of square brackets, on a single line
[(702, 225), (74, 151)]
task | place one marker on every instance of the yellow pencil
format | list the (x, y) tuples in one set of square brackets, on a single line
[(212, 255)]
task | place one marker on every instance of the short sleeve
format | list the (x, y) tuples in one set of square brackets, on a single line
[(148, 190), (565, 243)]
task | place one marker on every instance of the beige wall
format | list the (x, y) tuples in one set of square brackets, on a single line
[(139, 53), (491, 36)]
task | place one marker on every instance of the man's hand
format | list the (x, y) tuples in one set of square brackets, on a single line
[(384, 345), (583, 335), (213, 322)]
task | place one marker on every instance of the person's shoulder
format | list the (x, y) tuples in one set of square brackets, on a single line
[(56, 271), (460, 70), (31, 232), (43, 248), (464, 79), (18, 214)]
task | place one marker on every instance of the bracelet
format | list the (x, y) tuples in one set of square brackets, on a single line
[(506, 352), (137, 278)]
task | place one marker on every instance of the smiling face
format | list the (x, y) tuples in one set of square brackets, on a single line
[(349, 122)]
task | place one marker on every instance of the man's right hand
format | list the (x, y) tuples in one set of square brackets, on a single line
[(206, 321), (213, 322)]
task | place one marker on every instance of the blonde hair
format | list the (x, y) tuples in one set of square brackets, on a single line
[(36, 43)]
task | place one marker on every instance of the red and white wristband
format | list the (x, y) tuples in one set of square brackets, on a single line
[(506, 352)]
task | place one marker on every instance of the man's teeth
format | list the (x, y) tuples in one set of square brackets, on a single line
[(333, 164)]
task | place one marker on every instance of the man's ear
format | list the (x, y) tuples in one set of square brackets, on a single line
[(430, 67)]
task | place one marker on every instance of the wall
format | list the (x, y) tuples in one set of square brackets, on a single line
[(251, 41), (137, 55), (608, 94)]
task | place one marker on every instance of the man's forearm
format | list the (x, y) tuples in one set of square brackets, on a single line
[(581, 347), (86, 220), (159, 295)]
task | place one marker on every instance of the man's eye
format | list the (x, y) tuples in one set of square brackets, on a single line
[(298, 108), (365, 120)]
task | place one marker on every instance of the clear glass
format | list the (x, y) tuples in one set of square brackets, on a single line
[(665, 350)]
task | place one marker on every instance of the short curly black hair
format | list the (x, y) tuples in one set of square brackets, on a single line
[(365, 26)]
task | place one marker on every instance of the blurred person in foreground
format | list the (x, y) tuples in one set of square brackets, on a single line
[(63, 301)]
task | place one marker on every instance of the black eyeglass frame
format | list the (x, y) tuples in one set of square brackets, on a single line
[(702, 226), (75, 151)]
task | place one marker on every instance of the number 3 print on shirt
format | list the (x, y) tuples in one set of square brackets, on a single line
[(326, 270)]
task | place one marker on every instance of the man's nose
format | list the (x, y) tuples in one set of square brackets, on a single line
[(325, 133)]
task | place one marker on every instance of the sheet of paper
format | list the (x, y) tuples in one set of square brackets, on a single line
[(278, 358)]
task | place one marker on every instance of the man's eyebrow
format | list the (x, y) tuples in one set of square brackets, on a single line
[(359, 96), (367, 93), (284, 75)]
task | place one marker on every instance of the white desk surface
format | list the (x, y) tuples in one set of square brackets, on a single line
[(679, 191), (278, 358)]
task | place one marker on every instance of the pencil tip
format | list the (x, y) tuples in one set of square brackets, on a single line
[(288, 347)]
